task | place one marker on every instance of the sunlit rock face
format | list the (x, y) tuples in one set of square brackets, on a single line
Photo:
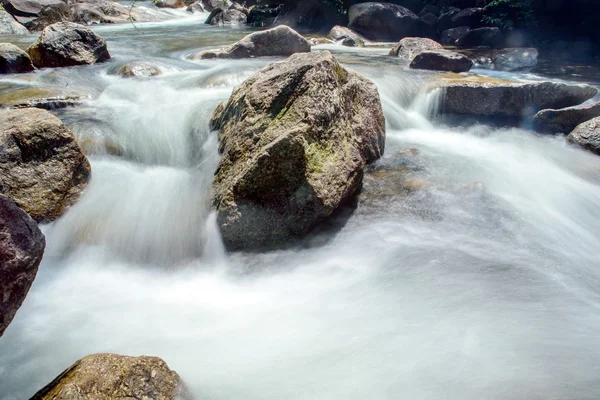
[(294, 139)]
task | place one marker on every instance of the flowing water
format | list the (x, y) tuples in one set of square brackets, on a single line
[(484, 283)]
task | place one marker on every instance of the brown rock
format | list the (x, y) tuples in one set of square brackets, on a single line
[(21, 250), (115, 377), (294, 139), (43, 169), (587, 135), (441, 60), (37, 14), (411, 46)]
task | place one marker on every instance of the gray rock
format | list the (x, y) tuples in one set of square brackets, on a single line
[(9, 25), (566, 119), (482, 37), (102, 11), (383, 21), (139, 69), (279, 41), (221, 17), (37, 14), (14, 60), (347, 36), (239, 7), (66, 44), (210, 5), (294, 140), (452, 35), (497, 98), (263, 15), (170, 3), (43, 169), (587, 135), (111, 376), (86, 13), (409, 47), (441, 60), (515, 59), (195, 7), (21, 250)]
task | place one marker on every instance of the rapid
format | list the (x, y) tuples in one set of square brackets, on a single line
[(483, 283)]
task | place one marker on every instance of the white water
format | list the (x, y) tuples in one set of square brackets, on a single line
[(484, 286)]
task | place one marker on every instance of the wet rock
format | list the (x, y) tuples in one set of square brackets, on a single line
[(14, 60), (47, 98), (441, 60), (384, 21), (263, 15), (347, 36), (21, 249), (9, 25), (86, 14), (139, 69), (221, 17), (210, 5), (111, 376), (471, 17), (451, 36), (195, 7), (515, 59), (482, 37), (409, 47), (294, 140), (315, 41), (102, 11), (587, 135), (279, 41), (566, 119), (37, 14), (510, 99), (43, 169), (66, 44), (169, 3), (238, 7)]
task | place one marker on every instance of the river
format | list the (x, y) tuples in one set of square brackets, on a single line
[(482, 284)]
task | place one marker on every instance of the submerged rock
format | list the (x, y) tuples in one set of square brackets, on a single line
[(515, 59), (294, 139), (43, 169), (37, 14), (111, 376), (280, 41), (66, 44), (139, 69), (384, 21), (47, 98), (9, 25), (411, 46), (14, 60), (442, 60), (587, 135), (499, 98), (21, 250), (566, 119)]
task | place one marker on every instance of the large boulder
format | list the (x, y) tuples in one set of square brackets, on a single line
[(43, 169), (111, 376), (496, 98), (263, 15), (515, 59), (221, 17), (21, 250), (37, 14), (9, 25), (384, 21), (445, 19), (482, 37), (310, 15), (294, 140), (409, 47), (441, 60), (66, 44), (102, 11), (565, 120), (451, 36), (14, 60), (471, 17), (587, 135), (279, 41)]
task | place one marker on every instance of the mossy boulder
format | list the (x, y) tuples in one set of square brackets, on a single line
[(111, 376), (21, 250), (43, 169), (294, 140)]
